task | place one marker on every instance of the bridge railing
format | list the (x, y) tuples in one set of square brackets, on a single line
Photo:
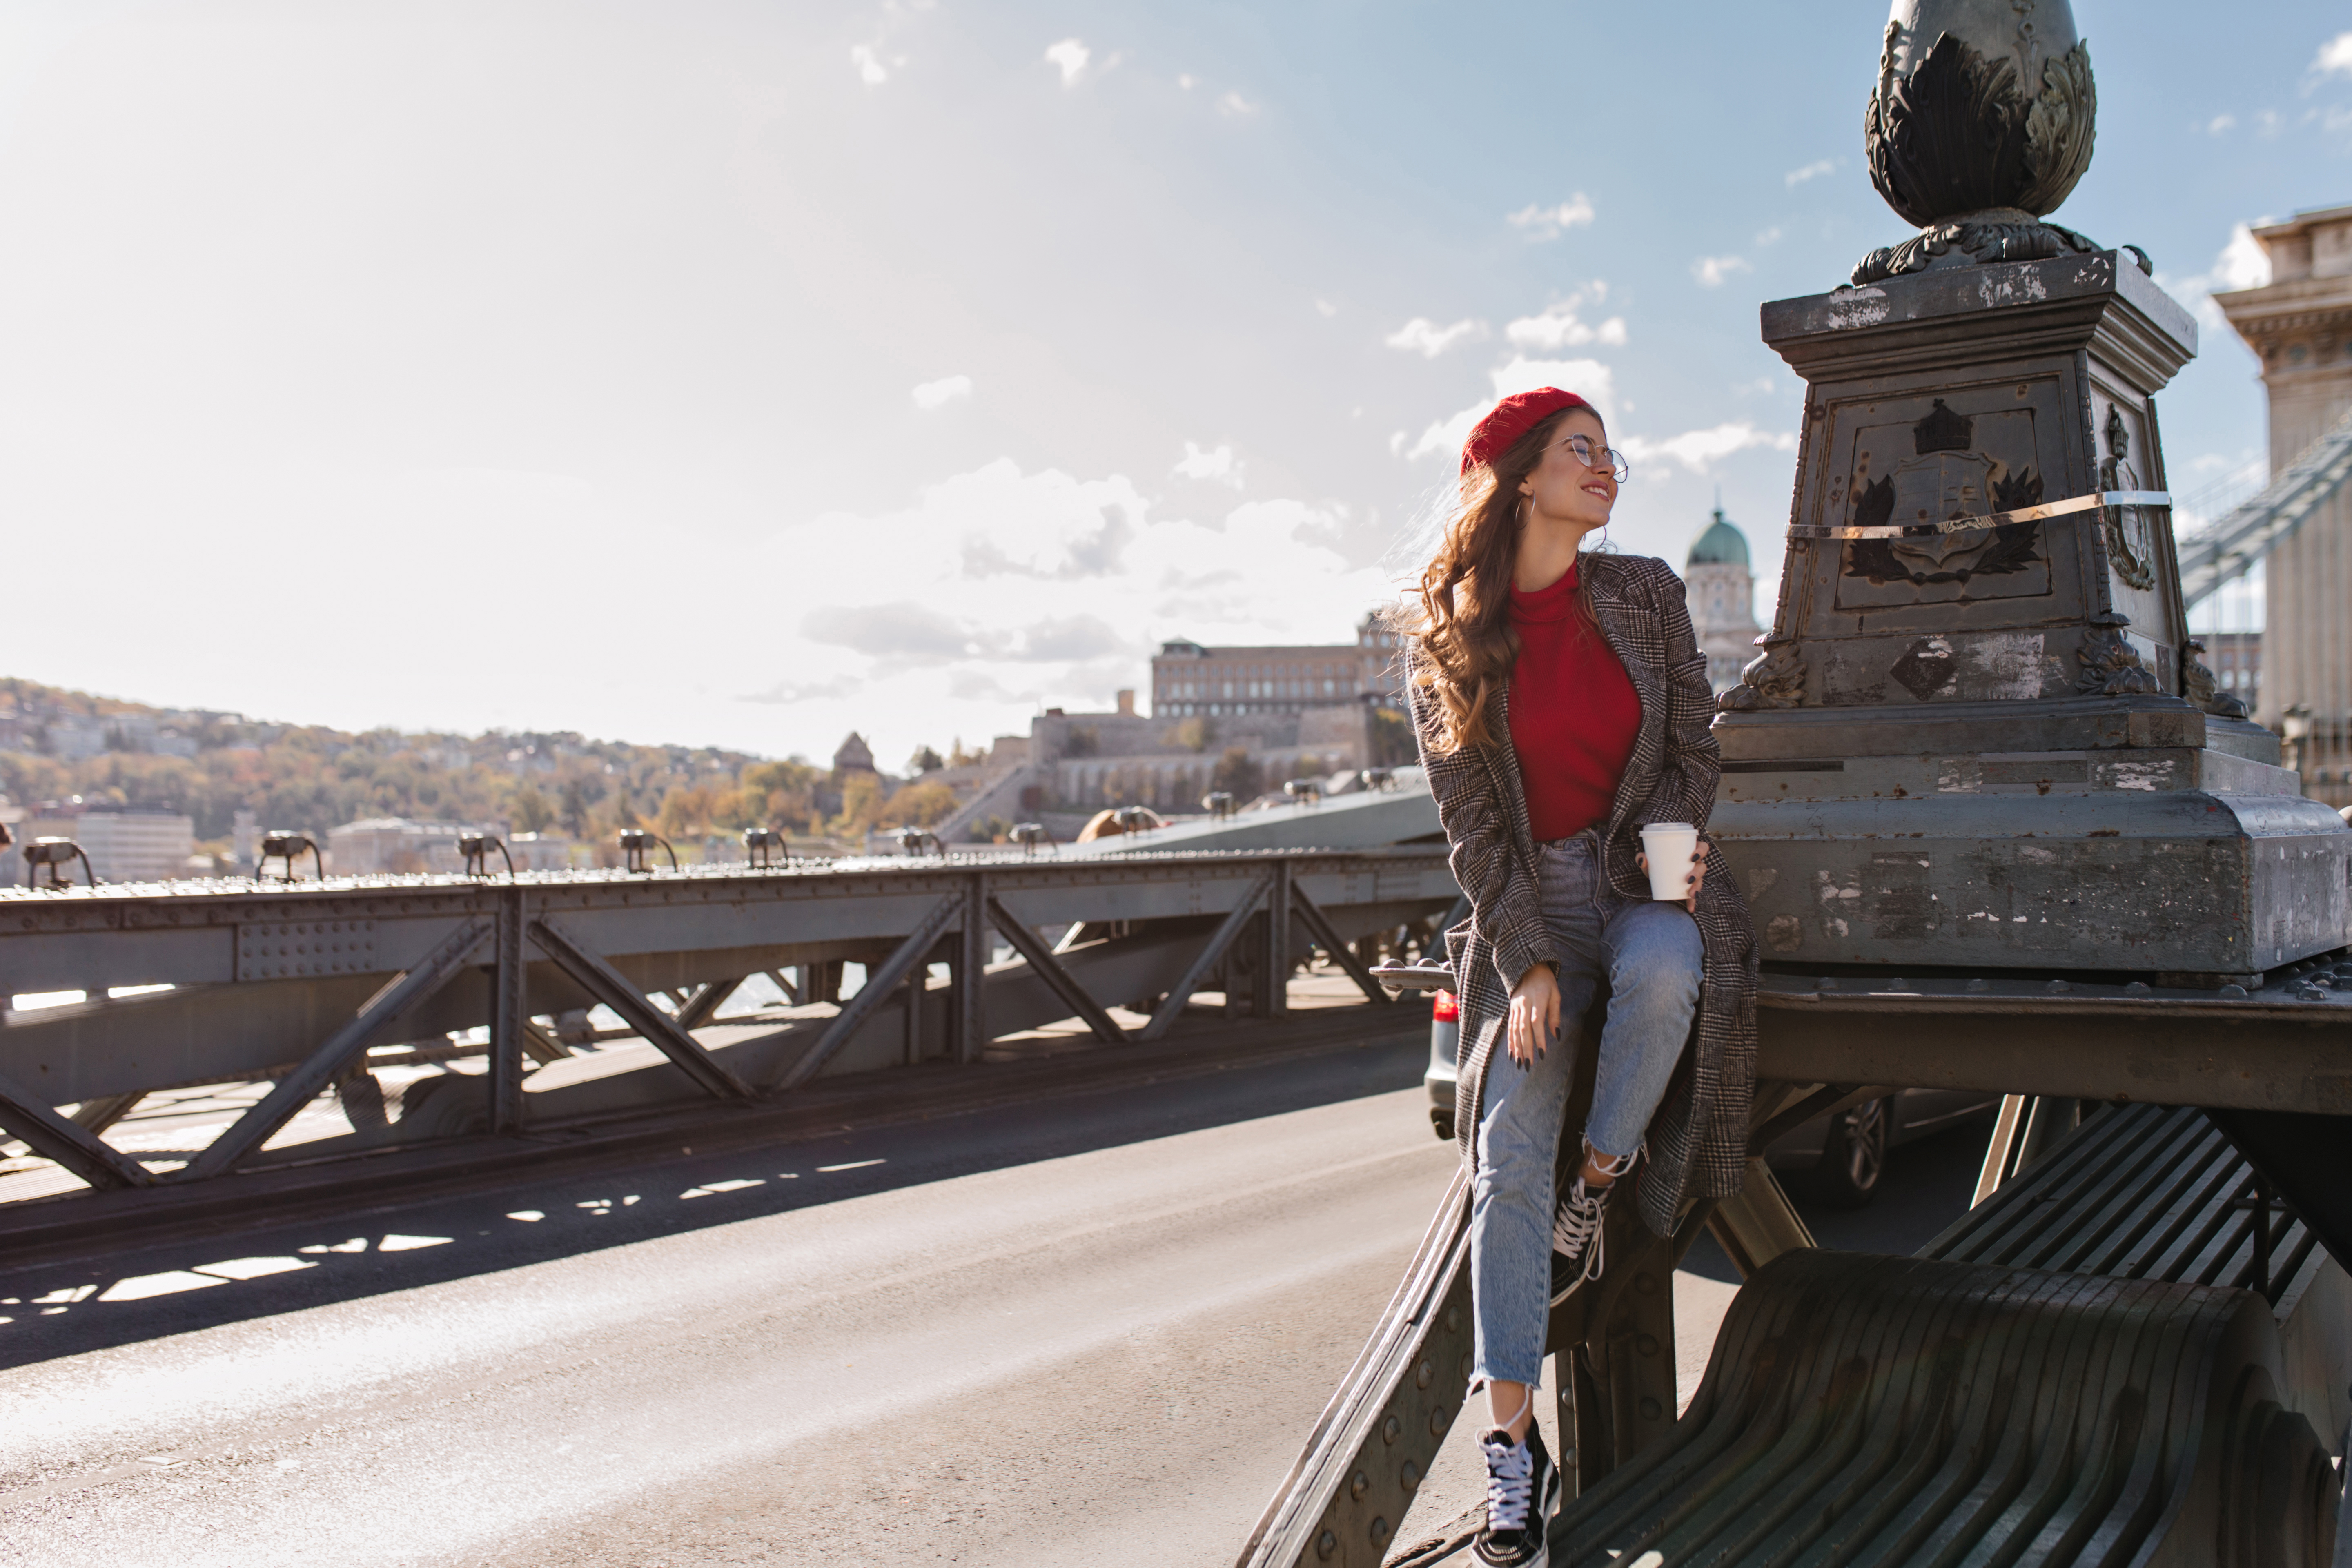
[(293, 983)]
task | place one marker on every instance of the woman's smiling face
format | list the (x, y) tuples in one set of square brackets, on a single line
[(1563, 488)]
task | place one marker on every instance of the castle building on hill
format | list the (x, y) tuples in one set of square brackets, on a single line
[(1191, 680), (1722, 594)]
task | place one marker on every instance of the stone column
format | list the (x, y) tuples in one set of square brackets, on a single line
[(2300, 327)]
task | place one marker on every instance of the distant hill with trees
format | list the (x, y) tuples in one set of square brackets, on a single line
[(309, 778)]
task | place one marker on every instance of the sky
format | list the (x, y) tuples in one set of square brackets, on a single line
[(741, 375)]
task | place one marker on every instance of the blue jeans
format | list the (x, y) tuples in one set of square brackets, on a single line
[(1653, 957)]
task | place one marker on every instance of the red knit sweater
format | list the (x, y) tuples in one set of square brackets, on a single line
[(1574, 713)]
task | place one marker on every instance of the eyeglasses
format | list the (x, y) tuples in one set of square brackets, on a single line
[(1592, 457)]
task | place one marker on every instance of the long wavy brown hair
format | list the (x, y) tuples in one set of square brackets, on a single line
[(1459, 615)]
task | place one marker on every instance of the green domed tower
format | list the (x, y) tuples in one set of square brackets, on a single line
[(1722, 592)]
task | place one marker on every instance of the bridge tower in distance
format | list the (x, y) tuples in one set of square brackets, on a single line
[(1722, 592), (2300, 326)]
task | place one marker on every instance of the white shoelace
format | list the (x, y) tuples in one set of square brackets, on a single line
[(1577, 1227), (1510, 1481)]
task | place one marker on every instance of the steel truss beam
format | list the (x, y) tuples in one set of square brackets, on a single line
[(76, 1147), (1249, 903), (604, 982), (1320, 926), (704, 1004), (298, 1088), (878, 985), (1048, 968)]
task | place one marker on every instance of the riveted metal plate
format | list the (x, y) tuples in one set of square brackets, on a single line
[(290, 950)]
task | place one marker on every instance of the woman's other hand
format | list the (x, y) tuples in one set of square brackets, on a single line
[(1696, 879), (1535, 1015)]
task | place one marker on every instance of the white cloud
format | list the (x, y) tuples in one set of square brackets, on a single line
[(1217, 463), (1422, 336), (2219, 123), (1589, 379), (1550, 223), (1188, 82), (870, 69), (1010, 590), (1233, 106), (1812, 171), (1557, 326), (1070, 56), (1325, 309), (2335, 56), (1711, 271), (1770, 236), (2242, 264), (946, 390), (1700, 450)]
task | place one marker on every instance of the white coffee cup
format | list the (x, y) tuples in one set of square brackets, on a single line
[(1670, 847)]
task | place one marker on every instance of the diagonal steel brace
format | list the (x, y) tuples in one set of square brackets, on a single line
[(1319, 925), (298, 1088), (703, 1005), (880, 983), (607, 984), (70, 1144), (1074, 995), (1202, 961)]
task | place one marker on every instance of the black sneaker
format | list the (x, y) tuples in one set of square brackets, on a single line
[(1576, 1238), (1522, 1494)]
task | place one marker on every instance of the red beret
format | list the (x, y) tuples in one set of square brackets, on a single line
[(1512, 419)]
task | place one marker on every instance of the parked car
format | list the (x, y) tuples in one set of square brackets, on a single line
[(1444, 1035), (1838, 1160)]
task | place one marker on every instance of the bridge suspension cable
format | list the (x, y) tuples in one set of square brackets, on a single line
[(2250, 530)]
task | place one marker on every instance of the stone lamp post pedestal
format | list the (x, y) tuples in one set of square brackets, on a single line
[(1977, 738)]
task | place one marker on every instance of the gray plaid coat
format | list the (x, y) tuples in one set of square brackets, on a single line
[(1698, 1139)]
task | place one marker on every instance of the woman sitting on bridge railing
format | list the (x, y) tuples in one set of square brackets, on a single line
[(1562, 704)]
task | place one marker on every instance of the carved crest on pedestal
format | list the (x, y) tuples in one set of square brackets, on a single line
[(2198, 685), (1774, 679), (2131, 543), (2111, 665)]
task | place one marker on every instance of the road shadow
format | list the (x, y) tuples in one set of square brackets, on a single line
[(48, 1311)]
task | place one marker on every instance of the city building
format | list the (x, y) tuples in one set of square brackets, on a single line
[(2236, 660), (2300, 327), (124, 843), (1191, 680), (852, 756), (1721, 590)]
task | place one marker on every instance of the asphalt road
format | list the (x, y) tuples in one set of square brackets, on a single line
[(1088, 1331)]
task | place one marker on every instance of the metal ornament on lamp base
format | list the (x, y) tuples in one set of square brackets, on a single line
[(1977, 738), (1981, 120)]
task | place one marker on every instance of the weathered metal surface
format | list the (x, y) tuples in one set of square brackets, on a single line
[(2163, 1193), (2162, 859), (2287, 1047), (2140, 1192), (1968, 739), (1879, 1410)]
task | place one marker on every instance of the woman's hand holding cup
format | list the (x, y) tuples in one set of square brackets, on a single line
[(1680, 862)]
